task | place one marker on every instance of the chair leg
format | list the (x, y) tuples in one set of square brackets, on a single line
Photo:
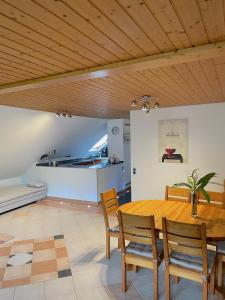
[(124, 274), (155, 281), (167, 283), (205, 290), (212, 280), (119, 243), (219, 270), (107, 246), (135, 268), (176, 279)]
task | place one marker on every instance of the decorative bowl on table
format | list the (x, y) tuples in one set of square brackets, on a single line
[(170, 151)]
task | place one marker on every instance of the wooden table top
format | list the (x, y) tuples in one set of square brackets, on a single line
[(213, 217)]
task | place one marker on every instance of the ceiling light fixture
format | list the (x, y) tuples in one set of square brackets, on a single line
[(64, 114), (134, 103), (146, 103)]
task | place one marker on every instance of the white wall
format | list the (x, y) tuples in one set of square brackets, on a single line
[(11, 181), (70, 183), (113, 176), (26, 135), (117, 146), (206, 148), (115, 141)]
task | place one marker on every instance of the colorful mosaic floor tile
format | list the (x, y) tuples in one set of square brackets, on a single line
[(29, 261), (5, 238)]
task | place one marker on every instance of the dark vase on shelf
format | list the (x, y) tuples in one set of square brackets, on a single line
[(194, 202)]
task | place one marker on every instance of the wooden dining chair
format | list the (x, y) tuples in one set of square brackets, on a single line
[(186, 255), (177, 194), (143, 249), (218, 200), (109, 207)]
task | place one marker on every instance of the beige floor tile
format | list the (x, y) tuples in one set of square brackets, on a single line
[(86, 281), (61, 252), (115, 292), (98, 293), (3, 261), (44, 245), (44, 277), (28, 292), (44, 267), (15, 282), (16, 272), (63, 263), (5, 250), (22, 248), (62, 288), (43, 255)]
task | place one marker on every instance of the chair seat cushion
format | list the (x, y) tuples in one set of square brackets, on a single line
[(114, 229), (144, 250), (221, 247), (192, 262)]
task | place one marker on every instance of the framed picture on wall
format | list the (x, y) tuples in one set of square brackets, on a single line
[(173, 141)]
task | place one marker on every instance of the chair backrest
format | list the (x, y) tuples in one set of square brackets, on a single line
[(109, 204), (217, 198), (189, 239), (177, 194), (137, 229)]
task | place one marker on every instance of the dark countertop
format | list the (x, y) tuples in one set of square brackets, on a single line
[(89, 163)]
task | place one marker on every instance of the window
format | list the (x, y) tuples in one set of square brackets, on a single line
[(100, 144)]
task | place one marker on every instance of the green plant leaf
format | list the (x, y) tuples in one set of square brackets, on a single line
[(194, 174), (202, 182), (206, 195), (182, 184)]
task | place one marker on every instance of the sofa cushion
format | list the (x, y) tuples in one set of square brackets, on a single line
[(16, 192)]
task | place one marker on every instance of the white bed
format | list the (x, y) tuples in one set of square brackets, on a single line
[(15, 196)]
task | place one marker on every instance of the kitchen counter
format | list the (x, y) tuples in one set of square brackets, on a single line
[(80, 182), (87, 163)]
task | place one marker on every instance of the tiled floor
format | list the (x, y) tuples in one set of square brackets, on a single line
[(29, 261), (93, 277)]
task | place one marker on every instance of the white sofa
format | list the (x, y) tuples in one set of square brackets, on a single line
[(15, 196)]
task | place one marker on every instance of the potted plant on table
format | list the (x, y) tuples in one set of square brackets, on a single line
[(196, 185)]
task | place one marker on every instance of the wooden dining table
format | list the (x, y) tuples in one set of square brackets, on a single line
[(213, 217)]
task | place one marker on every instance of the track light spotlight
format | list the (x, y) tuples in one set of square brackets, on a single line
[(146, 103), (134, 103), (145, 106), (64, 114)]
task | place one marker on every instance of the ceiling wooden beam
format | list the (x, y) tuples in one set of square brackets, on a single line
[(139, 64)]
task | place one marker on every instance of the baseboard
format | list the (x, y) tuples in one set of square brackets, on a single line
[(75, 201)]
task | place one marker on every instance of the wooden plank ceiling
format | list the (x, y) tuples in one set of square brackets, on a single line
[(39, 38)]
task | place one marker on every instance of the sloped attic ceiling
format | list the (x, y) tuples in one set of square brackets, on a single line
[(27, 134)]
